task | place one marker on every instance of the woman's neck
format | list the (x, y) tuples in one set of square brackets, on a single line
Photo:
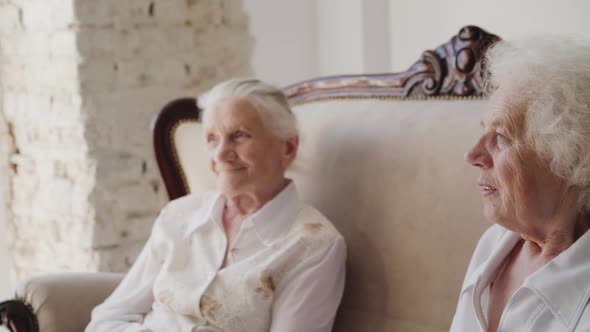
[(246, 203), (547, 244)]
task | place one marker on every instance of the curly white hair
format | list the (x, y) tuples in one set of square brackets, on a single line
[(550, 78)]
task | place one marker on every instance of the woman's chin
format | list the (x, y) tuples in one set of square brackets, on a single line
[(231, 186), (491, 214)]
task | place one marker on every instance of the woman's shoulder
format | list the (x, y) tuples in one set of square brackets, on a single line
[(311, 223), (191, 201), (178, 212)]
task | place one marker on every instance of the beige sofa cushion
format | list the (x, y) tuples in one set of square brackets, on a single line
[(390, 175)]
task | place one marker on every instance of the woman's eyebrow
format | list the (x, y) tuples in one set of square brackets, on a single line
[(495, 124)]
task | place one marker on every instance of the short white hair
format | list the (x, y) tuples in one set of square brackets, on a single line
[(550, 78), (270, 102)]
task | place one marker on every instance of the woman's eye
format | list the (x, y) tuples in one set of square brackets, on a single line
[(502, 140), (240, 134), (211, 138)]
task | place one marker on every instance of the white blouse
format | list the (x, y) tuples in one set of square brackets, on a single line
[(554, 298), (285, 272)]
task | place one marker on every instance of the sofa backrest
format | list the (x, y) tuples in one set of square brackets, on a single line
[(390, 174), (382, 157)]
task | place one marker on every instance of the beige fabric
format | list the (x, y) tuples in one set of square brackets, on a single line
[(390, 175), (63, 302), (189, 141)]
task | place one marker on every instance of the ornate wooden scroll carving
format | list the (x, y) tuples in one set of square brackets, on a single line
[(452, 69)]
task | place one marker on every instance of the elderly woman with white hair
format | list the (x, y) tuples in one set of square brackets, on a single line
[(531, 270), (250, 257)]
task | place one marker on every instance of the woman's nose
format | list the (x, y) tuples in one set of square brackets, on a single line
[(225, 152), (478, 155)]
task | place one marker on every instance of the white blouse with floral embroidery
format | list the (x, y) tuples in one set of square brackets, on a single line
[(284, 273)]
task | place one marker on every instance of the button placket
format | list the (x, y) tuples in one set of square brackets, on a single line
[(220, 243)]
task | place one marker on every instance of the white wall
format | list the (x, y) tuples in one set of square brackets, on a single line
[(285, 36), (415, 28), (353, 36), (297, 40), (376, 36), (340, 34)]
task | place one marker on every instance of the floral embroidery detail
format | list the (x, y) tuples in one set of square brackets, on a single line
[(313, 228), (165, 296), (266, 286), (209, 306)]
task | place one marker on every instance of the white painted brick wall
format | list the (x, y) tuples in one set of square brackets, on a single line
[(175, 49), (81, 80), (6, 149)]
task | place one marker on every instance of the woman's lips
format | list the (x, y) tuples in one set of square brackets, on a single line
[(487, 190)]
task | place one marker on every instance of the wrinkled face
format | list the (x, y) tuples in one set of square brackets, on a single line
[(245, 155), (518, 189)]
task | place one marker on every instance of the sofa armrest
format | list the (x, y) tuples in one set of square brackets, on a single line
[(60, 302)]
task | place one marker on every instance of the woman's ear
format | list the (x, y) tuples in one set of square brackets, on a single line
[(290, 150)]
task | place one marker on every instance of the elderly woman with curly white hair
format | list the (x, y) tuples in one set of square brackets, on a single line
[(531, 270), (249, 257)]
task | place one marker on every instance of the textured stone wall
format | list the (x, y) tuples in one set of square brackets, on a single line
[(136, 56), (50, 217), (81, 82), (6, 150)]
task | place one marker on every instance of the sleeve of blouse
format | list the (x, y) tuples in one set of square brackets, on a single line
[(309, 296), (125, 308)]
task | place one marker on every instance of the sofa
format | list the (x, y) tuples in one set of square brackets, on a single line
[(381, 155)]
